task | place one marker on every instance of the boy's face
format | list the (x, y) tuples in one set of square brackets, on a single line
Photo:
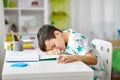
[(55, 43)]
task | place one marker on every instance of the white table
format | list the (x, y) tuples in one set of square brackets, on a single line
[(48, 70)]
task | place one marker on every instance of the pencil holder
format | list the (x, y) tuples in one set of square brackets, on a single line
[(17, 46)]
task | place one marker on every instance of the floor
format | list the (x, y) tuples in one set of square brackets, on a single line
[(114, 78), (115, 75)]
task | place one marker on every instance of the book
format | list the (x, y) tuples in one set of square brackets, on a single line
[(27, 43), (46, 57), (8, 45), (28, 56), (22, 57), (32, 48)]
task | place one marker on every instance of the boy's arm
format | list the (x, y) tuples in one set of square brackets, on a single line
[(54, 52), (88, 59)]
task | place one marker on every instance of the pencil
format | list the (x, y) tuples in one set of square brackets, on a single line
[(16, 38), (20, 37), (11, 33)]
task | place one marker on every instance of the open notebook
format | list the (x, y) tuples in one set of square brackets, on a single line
[(44, 56), (28, 56)]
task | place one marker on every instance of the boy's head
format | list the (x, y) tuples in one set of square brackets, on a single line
[(49, 37)]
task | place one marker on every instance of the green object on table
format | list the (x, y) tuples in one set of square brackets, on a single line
[(116, 60)]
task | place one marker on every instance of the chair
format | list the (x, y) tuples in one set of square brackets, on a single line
[(105, 50)]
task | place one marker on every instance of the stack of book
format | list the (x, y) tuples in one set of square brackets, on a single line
[(27, 44), (8, 45)]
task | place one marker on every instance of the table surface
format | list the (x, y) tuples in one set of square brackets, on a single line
[(47, 70)]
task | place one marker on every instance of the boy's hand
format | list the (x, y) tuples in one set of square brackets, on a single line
[(66, 58), (54, 52)]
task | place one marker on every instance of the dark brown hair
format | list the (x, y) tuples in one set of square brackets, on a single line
[(46, 32)]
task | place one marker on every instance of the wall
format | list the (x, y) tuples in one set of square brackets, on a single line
[(80, 15), (2, 37), (96, 18)]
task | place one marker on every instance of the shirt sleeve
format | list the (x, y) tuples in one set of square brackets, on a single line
[(81, 45)]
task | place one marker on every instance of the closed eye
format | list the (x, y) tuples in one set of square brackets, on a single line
[(53, 46)]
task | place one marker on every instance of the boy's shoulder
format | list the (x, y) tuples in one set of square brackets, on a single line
[(69, 30), (74, 34)]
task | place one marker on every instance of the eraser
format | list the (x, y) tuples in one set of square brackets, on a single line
[(19, 65)]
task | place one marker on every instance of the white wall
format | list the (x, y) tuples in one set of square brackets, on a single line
[(80, 15), (96, 18), (2, 37)]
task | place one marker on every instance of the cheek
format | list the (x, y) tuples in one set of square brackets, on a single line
[(60, 44)]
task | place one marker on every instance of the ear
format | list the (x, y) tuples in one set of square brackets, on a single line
[(57, 33)]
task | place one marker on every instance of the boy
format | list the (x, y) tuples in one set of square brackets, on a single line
[(53, 41)]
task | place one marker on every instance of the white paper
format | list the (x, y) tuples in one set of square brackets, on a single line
[(28, 56), (22, 56)]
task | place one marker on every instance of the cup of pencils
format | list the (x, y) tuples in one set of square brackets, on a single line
[(17, 42), (17, 46)]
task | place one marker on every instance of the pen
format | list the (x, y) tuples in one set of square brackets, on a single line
[(16, 38), (20, 37)]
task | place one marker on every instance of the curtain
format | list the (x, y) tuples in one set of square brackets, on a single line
[(96, 18)]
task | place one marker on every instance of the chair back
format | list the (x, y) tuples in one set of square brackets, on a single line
[(105, 50)]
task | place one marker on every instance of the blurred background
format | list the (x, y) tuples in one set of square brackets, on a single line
[(94, 18)]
